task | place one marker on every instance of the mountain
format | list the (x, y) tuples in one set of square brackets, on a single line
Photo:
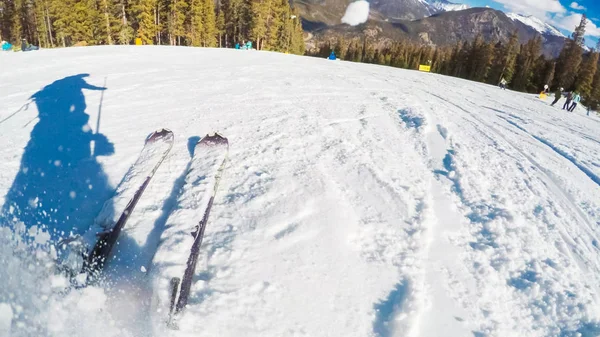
[(320, 13), (452, 27), (447, 6), (403, 9), (535, 23), (414, 9), (442, 23)]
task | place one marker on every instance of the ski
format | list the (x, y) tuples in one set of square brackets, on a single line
[(116, 211), (175, 261)]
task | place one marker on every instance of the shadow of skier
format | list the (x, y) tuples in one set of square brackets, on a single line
[(60, 186)]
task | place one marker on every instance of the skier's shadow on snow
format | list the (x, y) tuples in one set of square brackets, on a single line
[(60, 186)]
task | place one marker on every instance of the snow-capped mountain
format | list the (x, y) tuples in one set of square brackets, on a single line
[(447, 6), (536, 24), (414, 9)]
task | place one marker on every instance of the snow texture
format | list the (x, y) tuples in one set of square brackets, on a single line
[(536, 24), (446, 6), (176, 242), (357, 200), (357, 12)]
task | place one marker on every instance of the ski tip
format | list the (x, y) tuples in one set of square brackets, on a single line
[(160, 135), (215, 139)]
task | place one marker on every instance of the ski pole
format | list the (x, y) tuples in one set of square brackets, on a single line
[(26, 106), (99, 117)]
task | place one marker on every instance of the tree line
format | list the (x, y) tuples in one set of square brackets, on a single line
[(522, 65), (270, 24)]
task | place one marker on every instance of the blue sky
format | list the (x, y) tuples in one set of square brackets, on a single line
[(562, 14)]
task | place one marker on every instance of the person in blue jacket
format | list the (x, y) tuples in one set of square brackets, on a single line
[(576, 99), (332, 56), (6, 46), (237, 45)]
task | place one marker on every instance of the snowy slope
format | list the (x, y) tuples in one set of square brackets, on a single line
[(536, 24), (357, 200), (447, 6)]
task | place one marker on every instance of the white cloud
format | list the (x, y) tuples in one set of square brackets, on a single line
[(356, 13), (572, 20), (577, 6), (538, 8)]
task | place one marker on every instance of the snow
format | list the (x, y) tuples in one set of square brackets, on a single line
[(357, 12), (536, 24), (357, 200), (5, 319), (446, 6)]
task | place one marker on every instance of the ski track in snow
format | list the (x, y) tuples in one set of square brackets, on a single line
[(357, 200)]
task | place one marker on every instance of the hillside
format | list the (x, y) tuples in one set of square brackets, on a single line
[(357, 200), (445, 28)]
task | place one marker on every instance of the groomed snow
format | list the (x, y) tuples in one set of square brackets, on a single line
[(357, 200)]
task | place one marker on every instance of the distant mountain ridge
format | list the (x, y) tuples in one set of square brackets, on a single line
[(435, 22), (447, 6), (537, 24)]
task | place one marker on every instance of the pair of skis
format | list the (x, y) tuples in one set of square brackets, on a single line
[(189, 217), (175, 260)]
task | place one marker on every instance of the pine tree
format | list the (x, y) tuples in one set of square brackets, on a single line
[(595, 93), (125, 31), (176, 23), (571, 56), (260, 12), (460, 60), (209, 30), (525, 69), (221, 27), (341, 48), (297, 45), (480, 58), (144, 15), (586, 75), (504, 60), (16, 22), (41, 30), (195, 26), (549, 73), (238, 18)]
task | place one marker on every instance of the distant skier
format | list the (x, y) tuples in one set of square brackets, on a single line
[(5, 46), (557, 95), (332, 56), (576, 100), (27, 47), (503, 83), (568, 102)]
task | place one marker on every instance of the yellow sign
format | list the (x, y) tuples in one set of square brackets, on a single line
[(543, 95), (426, 68), (138, 41)]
